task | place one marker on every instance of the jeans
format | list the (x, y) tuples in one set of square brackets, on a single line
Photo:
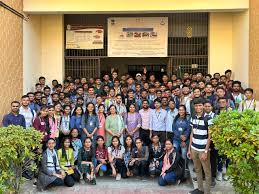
[(221, 161), (139, 168), (121, 168), (57, 182), (156, 170), (71, 179), (144, 134), (177, 145), (168, 179)]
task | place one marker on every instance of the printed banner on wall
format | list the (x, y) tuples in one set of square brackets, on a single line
[(137, 36), (84, 38)]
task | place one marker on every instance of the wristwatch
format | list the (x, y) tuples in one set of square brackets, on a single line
[(206, 151)]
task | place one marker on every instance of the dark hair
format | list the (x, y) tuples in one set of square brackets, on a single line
[(249, 90), (228, 71), (145, 100), (64, 154), (51, 139), (222, 98), (46, 87), (178, 115), (170, 140), (70, 134), (100, 137), (30, 93), (15, 102), (76, 107), (87, 112), (110, 108), (132, 144), (115, 137), (24, 96), (198, 101), (41, 77), (236, 82), (157, 100), (220, 88), (208, 102)]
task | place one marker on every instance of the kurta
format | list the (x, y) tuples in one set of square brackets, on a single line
[(132, 122), (116, 125), (101, 129)]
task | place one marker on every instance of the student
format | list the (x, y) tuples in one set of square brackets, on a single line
[(52, 124), (128, 145), (145, 114), (139, 159), (181, 129), (156, 151), (133, 122), (121, 108), (249, 102), (28, 113), (101, 119), (171, 169), (158, 120), (114, 125), (101, 154), (171, 114), (75, 142), (50, 173), (90, 123), (14, 118), (76, 120), (65, 123), (40, 124), (116, 155), (199, 147), (66, 159), (237, 96), (86, 158)]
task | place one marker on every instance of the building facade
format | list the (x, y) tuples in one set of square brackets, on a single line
[(224, 35)]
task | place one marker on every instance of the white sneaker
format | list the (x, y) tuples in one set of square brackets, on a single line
[(219, 176), (224, 169), (225, 177), (118, 177)]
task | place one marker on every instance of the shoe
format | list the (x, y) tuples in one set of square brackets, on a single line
[(213, 182), (196, 191), (27, 175), (219, 176), (225, 177), (101, 173), (195, 179), (93, 182), (118, 177)]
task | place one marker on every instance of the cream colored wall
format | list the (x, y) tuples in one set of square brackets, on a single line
[(43, 50), (241, 47), (229, 44), (131, 5), (220, 42), (31, 52)]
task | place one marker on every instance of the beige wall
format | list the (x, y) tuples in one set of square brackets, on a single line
[(43, 49), (10, 56), (229, 44), (132, 5)]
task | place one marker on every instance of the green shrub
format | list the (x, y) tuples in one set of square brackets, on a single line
[(17, 153), (236, 135)]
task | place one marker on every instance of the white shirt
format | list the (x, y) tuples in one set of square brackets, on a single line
[(28, 114)]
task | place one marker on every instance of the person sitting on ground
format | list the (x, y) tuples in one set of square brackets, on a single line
[(101, 154)]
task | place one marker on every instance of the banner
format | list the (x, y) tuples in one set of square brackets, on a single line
[(137, 36), (84, 38)]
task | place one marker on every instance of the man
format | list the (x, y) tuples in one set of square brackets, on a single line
[(228, 74), (14, 118), (131, 84), (199, 147), (249, 102), (158, 120), (91, 95), (46, 92), (177, 94), (98, 89), (145, 113), (121, 108), (186, 98), (171, 114), (28, 113), (165, 102), (131, 100), (236, 93), (42, 82), (209, 93), (32, 104), (220, 93)]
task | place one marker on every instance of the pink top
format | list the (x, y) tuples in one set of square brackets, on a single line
[(101, 130), (53, 128)]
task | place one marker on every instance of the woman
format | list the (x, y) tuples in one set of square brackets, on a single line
[(128, 145), (171, 169), (181, 129), (86, 158), (50, 172), (156, 151), (58, 114), (101, 154), (116, 155), (52, 125), (114, 125), (90, 123), (133, 122), (40, 124), (76, 119), (139, 159), (65, 122), (66, 159), (76, 143), (101, 119)]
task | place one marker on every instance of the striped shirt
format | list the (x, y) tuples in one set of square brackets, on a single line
[(200, 127)]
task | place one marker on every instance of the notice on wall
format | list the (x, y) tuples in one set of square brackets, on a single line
[(137, 36), (84, 38)]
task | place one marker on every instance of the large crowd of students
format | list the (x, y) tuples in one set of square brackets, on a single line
[(129, 126)]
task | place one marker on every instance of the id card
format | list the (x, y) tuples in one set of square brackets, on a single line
[(180, 129)]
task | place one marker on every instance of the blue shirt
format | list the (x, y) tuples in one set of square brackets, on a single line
[(75, 122), (158, 120), (181, 127), (11, 119), (91, 123), (170, 119)]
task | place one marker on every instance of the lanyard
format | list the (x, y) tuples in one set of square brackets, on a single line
[(157, 115), (249, 104)]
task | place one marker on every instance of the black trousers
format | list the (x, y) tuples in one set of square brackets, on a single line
[(71, 179), (57, 182), (213, 160), (144, 134), (121, 168), (140, 168)]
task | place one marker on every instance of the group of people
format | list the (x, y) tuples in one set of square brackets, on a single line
[(130, 126)]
